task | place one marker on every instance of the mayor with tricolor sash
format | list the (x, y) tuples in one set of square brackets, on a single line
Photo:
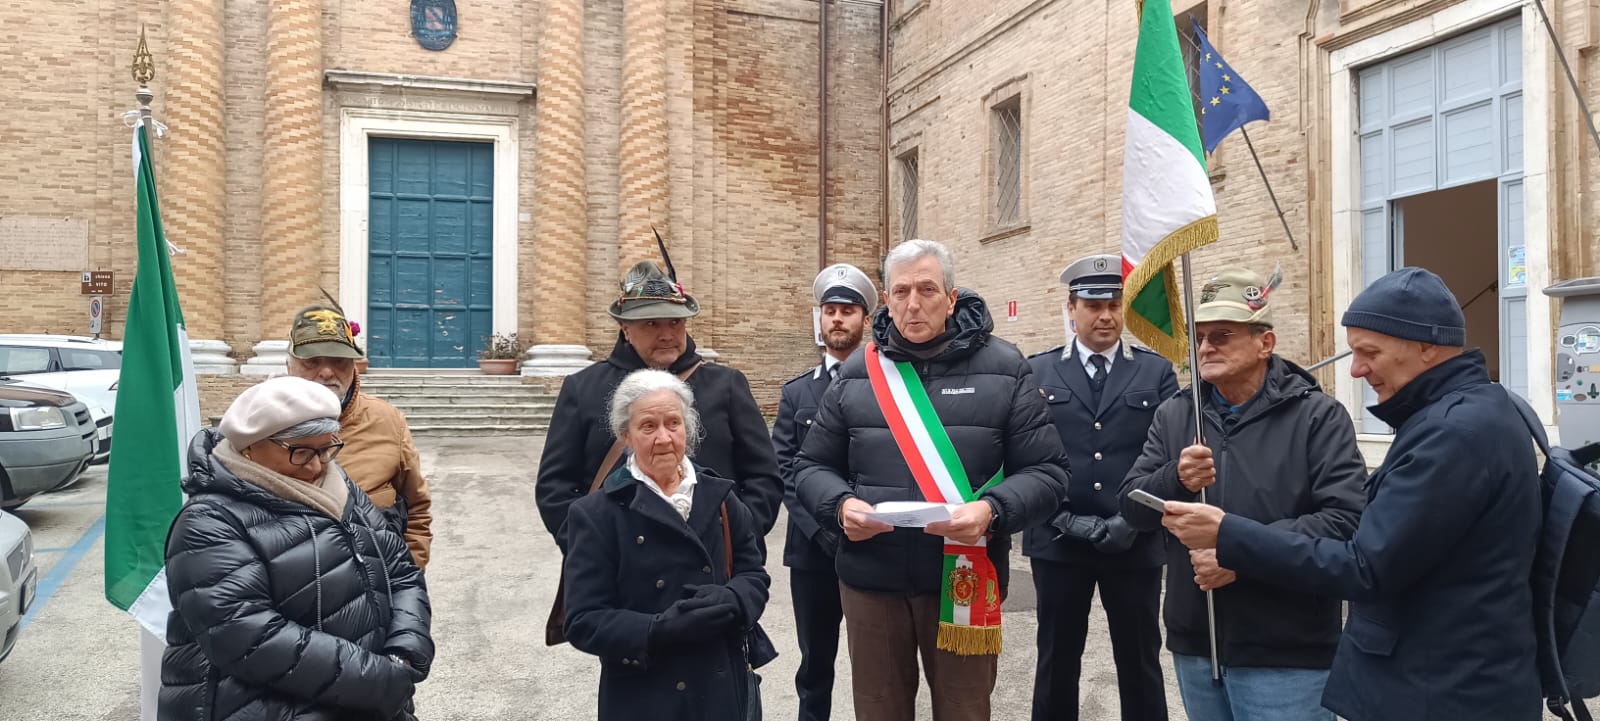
[(934, 408)]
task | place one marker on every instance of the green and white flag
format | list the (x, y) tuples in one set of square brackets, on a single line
[(158, 412), (1167, 206)]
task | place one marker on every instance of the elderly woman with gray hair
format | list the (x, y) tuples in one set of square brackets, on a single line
[(292, 598), (663, 571)]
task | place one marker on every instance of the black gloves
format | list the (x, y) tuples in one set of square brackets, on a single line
[(1089, 529), (720, 595), (691, 620), (1107, 535), (1119, 536)]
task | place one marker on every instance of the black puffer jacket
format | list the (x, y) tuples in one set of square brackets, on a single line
[(986, 397), (282, 613)]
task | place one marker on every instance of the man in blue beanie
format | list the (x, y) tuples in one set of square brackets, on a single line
[(1441, 619)]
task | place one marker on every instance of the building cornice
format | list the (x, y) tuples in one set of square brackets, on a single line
[(363, 81)]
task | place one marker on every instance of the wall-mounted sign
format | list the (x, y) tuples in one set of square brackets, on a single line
[(97, 282), (433, 23)]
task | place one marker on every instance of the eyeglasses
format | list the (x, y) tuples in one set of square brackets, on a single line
[(1220, 338), (301, 455)]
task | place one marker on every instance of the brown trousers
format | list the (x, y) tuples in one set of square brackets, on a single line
[(887, 632)]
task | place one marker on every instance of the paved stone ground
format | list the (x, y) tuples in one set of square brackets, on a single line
[(492, 578)]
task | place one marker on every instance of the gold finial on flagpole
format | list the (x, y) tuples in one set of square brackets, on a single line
[(144, 71)]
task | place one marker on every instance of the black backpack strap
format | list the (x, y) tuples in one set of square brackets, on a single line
[(1531, 420), (1581, 710)]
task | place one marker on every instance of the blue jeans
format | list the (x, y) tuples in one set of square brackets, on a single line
[(1250, 693)]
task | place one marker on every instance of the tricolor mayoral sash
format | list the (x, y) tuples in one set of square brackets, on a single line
[(969, 605)]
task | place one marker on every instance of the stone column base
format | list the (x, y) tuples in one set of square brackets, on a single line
[(556, 360), (211, 358), (271, 359)]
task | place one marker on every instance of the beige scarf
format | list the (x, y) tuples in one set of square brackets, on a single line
[(328, 495)]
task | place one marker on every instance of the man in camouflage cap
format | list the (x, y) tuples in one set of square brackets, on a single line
[(653, 311), (378, 454), (1278, 450)]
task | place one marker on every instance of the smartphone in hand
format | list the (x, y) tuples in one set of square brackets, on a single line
[(1147, 500)]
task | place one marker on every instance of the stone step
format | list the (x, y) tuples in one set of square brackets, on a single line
[(424, 394), (474, 404), (488, 418), (478, 429), (387, 380)]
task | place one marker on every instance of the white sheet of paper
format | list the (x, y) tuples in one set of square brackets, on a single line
[(911, 514)]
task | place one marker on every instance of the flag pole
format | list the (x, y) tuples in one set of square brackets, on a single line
[(1270, 194), (150, 646), (1199, 438)]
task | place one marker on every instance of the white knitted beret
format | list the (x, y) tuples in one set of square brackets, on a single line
[(274, 405)]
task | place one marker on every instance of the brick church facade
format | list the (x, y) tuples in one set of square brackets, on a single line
[(502, 183)]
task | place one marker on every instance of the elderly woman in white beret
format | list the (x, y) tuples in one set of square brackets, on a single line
[(663, 571), (292, 598)]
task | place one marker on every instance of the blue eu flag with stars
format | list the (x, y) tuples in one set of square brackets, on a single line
[(1227, 102)]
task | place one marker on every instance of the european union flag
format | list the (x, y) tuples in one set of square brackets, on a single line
[(1227, 102)]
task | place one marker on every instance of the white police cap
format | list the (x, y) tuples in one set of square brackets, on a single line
[(1094, 277), (845, 283)]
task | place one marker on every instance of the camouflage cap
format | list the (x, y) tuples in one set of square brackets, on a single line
[(322, 332), (1237, 295), (648, 293)]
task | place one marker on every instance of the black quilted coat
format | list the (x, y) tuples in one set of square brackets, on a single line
[(283, 614), (986, 397)]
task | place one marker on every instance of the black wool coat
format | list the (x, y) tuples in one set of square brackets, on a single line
[(1441, 610), (282, 613), (804, 548), (735, 444), (1102, 439), (629, 556), (986, 398)]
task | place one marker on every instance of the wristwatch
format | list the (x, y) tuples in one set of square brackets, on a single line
[(994, 513)]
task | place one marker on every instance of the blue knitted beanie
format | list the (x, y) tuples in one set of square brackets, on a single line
[(1409, 303)]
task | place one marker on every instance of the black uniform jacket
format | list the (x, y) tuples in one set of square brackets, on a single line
[(986, 398), (1441, 611), (804, 548), (1102, 441), (280, 612), (735, 445), (630, 557)]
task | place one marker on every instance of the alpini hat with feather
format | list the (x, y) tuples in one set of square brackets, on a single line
[(649, 292), (322, 331)]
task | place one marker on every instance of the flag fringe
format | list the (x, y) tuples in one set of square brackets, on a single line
[(1158, 262), (969, 640)]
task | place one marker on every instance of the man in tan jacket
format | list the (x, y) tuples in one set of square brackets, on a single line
[(378, 453)]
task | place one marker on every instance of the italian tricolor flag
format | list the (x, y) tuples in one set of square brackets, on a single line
[(158, 412), (1167, 207)]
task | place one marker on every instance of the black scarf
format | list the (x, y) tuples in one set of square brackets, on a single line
[(926, 350)]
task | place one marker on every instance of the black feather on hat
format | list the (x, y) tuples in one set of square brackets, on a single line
[(648, 292)]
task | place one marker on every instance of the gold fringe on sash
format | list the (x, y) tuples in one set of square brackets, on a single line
[(969, 640)]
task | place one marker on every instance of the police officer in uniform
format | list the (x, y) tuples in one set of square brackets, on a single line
[(847, 299), (1102, 394)]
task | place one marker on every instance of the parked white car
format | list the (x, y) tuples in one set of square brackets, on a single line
[(85, 367), (19, 578)]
